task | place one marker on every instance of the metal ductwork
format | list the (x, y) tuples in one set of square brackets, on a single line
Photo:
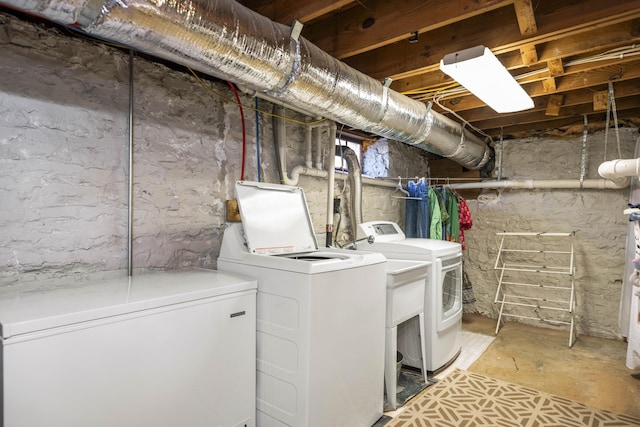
[(224, 39), (355, 186)]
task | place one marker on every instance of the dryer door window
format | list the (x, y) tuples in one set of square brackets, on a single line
[(450, 296)]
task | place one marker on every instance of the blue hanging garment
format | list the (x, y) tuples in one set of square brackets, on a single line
[(422, 229), (417, 210), (411, 211)]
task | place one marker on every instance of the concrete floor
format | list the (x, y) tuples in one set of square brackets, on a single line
[(591, 372)]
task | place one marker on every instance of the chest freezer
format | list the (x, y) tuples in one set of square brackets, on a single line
[(162, 350)]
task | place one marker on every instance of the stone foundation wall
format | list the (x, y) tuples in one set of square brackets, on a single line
[(64, 159), (595, 216), (64, 119)]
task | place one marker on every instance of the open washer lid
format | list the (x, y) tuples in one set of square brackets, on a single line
[(275, 218)]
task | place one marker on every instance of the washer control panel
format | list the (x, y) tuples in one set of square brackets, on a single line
[(383, 231)]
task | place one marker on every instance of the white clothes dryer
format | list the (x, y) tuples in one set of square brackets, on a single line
[(443, 295), (320, 314)]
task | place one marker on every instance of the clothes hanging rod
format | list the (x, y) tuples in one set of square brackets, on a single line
[(389, 178)]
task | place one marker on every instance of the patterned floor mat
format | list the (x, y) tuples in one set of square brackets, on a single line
[(467, 399), (409, 384)]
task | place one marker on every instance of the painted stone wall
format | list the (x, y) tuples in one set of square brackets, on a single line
[(595, 216), (64, 118), (64, 160)]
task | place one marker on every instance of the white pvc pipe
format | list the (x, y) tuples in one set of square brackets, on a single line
[(303, 170), (307, 145), (615, 169), (317, 135), (546, 183)]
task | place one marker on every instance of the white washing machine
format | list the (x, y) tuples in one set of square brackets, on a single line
[(443, 296), (320, 314)]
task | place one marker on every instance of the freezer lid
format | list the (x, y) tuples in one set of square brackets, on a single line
[(275, 218), (31, 307)]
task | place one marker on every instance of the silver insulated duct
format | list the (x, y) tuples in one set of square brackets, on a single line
[(224, 39)]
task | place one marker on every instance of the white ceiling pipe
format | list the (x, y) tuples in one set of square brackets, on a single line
[(317, 136), (620, 168), (545, 183), (308, 131)]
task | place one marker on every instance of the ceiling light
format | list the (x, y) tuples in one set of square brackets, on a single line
[(480, 72)]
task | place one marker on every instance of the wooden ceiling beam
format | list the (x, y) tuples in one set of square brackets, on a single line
[(574, 103), (555, 66), (286, 11), (518, 130), (529, 55), (402, 60), (622, 89), (378, 23), (600, 100), (577, 77), (471, 103), (549, 45), (526, 17), (553, 105), (539, 116), (552, 53)]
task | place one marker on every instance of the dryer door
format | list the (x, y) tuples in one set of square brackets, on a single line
[(449, 291)]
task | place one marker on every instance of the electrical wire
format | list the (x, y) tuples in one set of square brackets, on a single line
[(244, 131), (258, 139), (453, 88), (268, 113), (437, 101)]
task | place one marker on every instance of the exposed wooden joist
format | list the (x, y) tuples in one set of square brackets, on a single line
[(526, 17), (517, 129), (553, 105), (539, 116), (602, 38), (529, 55), (286, 11), (379, 23), (551, 46), (573, 98), (549, 85), (600, 100), (577, 77), (555, 67), (403, 60)]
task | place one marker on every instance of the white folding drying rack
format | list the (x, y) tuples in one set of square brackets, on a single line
[(528, 288)]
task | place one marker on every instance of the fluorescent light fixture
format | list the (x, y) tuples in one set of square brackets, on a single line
[(480, 72)]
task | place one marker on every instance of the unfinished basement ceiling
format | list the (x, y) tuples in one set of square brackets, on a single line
[(563, 52)]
